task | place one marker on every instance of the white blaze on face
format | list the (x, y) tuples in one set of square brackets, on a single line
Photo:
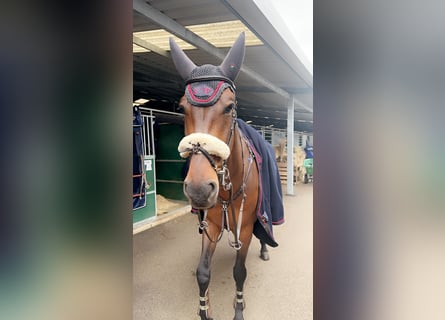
[(211, 144)]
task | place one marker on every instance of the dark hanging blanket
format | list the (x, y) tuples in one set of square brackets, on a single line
[(138, 164), (270, 207), (309, 150)]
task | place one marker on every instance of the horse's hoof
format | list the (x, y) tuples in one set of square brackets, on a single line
[(204, 316), (264, 256), (238, 316)]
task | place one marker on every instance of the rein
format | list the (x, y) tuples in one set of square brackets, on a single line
[(236, 243)]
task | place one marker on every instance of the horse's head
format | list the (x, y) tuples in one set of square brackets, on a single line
[(209, 106)]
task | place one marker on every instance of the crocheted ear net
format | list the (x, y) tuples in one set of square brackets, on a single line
[(205, 85)]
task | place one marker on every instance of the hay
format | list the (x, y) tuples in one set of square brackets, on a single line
[(279, 149), (164, 205), (300, 170), (298, 157)]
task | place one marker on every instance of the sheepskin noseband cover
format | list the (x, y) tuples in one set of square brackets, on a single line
[(211, 144)]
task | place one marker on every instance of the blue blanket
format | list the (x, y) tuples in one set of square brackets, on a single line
[(138, 161), (270, 209)]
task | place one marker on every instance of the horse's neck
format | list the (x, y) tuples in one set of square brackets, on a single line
[(235, 161)]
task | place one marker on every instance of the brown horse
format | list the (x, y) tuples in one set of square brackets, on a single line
[(222, 181)]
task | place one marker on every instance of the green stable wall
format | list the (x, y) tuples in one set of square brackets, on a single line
[(169, 165)]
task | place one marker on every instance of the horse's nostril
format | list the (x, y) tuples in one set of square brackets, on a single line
[(203, 194), (212, 186)]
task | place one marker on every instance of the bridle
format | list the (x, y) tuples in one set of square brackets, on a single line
[(224, 178), (223, 172)]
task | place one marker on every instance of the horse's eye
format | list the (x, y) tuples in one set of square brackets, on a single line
[(229, 108)]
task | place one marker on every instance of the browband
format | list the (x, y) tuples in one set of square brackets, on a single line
[(212, 78)]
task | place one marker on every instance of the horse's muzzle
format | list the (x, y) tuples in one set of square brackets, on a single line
[(202, 195)]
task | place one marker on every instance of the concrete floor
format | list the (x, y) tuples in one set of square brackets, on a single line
[(165, 259)]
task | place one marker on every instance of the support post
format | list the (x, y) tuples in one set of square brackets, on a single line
[(290, 146)]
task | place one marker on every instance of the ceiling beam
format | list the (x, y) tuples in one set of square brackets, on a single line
[(248, 12), (149, 46), (152, 68), (180, 31), (299, 117), (304, 90), (301, 104), (266, 28), (152, 84)]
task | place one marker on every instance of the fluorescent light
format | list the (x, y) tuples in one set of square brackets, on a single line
[(138, 49), (219, 34), (140, 101), (223, 34)]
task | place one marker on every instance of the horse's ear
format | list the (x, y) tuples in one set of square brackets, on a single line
[(183, 63), (234, 59)]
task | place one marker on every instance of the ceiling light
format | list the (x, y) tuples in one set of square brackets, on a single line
[(138, 49), (211, 32), (140, 101)]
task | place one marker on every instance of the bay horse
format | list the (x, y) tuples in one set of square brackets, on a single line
[(222, 182)]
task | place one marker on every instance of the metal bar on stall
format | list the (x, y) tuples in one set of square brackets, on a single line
[(290, 147), (152, 133)]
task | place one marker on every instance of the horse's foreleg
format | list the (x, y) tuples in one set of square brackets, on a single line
[(203, 275), (240, 274), (264, 253)]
